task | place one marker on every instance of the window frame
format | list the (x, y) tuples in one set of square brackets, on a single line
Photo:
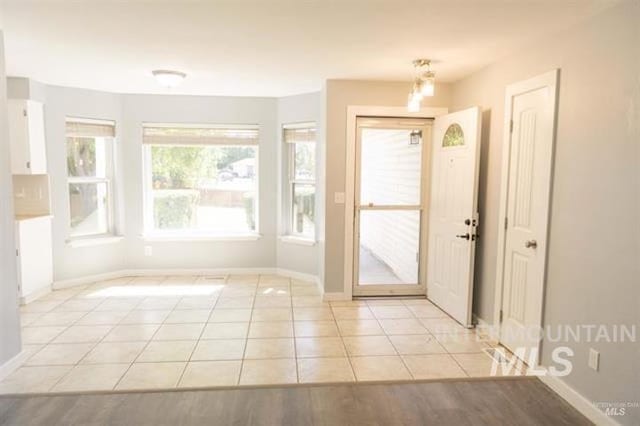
[(293, 181), (108, 179), (151, 233)]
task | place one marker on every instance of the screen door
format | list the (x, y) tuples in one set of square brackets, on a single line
[(390, 197)]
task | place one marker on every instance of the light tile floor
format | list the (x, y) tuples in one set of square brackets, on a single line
[(164, 332)]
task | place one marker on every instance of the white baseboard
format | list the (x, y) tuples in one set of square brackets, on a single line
[(491, 331), (296, 275), (579, 402), (559, 386), (28, 298), (13, 364), (88, 279), (334, 296), (202, 271), (302, 277)]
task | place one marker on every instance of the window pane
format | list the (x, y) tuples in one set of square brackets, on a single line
[(390, 167), (303, 209), (204, 188), (86, 157), (389, 247), (88, 207), (304, 161)]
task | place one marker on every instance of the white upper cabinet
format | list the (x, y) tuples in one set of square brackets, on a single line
[(26, 131)]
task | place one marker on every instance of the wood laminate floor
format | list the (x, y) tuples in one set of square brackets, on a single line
[(522, 401)]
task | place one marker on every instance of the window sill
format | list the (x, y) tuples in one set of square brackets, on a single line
[(204, 237), (292, 239), (94, 241)]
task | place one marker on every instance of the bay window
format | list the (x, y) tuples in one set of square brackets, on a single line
[(201, 180), (90, 176), (300, 141)]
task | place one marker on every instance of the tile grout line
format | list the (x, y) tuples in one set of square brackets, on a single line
[(145, 346), (293, 326), (204, 326), (346, 351), (64, 376), (246, 339), (391, 343)]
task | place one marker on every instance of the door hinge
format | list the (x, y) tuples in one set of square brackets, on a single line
[(17, 253), (28, 164), (510, 126), (24, 112), (500, 315), (506, 222), (418, 256)]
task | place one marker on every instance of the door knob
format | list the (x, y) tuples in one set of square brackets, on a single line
[(531, 244), (464, 236)]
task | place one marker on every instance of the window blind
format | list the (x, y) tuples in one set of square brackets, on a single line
[(299, 133), (199, 135), (88, 128)]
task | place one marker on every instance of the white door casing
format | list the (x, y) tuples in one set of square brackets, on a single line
[(530, 114), (453, 217), (399, 190)]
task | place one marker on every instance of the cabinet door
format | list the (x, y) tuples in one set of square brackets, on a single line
[(35, 257), (19, 136), (37, 147), (26, 132)]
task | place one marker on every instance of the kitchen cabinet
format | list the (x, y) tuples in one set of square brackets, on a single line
[(26, 133)]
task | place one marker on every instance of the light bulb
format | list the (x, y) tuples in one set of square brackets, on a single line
[(413, 103), (428, 84)]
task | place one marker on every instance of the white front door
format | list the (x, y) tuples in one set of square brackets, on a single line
[(453, 214), (532, 106)]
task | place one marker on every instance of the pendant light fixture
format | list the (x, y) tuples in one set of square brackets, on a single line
[(424, 84)]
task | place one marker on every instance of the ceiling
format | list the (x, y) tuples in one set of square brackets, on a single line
[(268, 48)]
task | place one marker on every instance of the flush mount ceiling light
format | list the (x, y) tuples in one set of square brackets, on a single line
[(167, 78), (424, 84)]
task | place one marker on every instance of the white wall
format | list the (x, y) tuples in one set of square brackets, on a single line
[(594, 243), (9, 317), (296, 109)]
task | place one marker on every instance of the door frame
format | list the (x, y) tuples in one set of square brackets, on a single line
[(548, 79), (382, 289), (354, 111)]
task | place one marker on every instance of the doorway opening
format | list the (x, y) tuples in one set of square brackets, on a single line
[(390, 199)]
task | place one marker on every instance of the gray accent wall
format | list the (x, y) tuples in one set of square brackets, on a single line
[(59, 103), (10, 344), (129, 112), (296, 257), (138, 109), (593, 274)]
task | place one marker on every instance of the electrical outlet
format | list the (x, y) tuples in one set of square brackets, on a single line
[(148, 251), (594, 359), (338, 197)]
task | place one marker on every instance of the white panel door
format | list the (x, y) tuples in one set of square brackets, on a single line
[(529, 178), (453, 214)]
